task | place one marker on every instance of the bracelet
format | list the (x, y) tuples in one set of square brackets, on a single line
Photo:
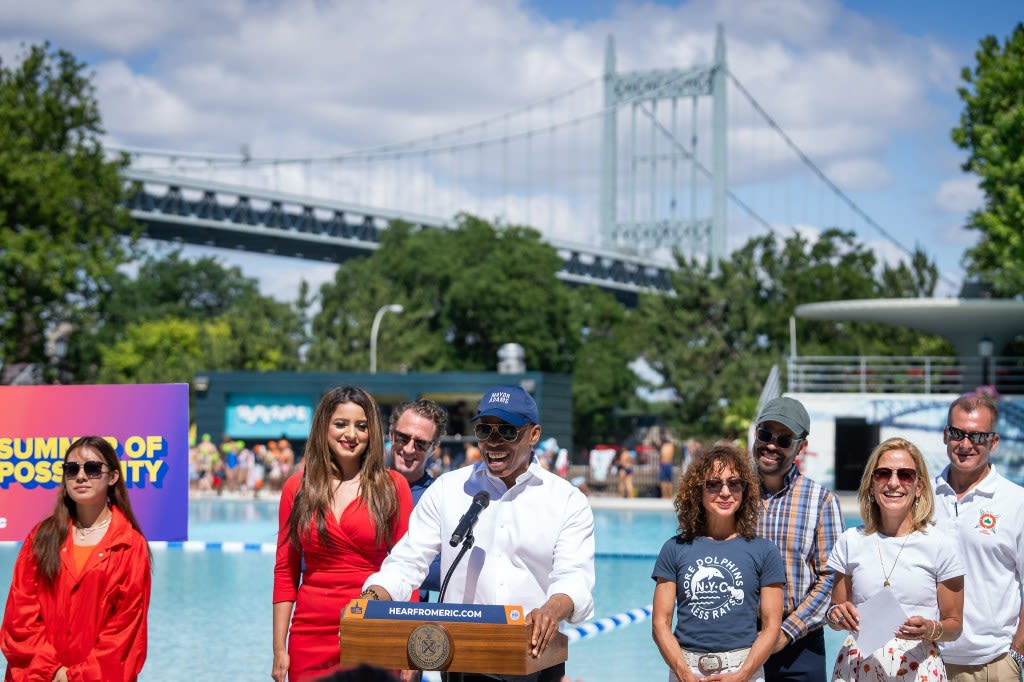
[(1017, 656), (369, 593), (828, 614), (938, 628)]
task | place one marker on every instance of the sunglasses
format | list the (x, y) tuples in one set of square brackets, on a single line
[(976, 437), (403, 439), (782, 441), (506, 431), (735, 485), (884, 475), (92, 469)]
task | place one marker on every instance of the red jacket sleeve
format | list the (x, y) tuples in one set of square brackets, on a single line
[(120, 649), (30, 655), (288, 564)]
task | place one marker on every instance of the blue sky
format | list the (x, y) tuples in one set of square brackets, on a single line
[(866, 87)]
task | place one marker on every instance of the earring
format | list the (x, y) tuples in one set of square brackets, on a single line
[(916, 500), (871, 499)]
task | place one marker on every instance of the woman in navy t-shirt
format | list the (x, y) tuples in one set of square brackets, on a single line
[(717, 577)]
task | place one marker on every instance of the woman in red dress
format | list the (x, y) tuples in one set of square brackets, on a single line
[(79, 595), (337, 522)]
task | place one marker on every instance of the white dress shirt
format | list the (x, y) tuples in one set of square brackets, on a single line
[(534, 540)]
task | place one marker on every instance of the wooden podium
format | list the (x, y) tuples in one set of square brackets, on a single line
[(475, 638)]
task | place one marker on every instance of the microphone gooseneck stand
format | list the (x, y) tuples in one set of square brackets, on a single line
[(467, 544)]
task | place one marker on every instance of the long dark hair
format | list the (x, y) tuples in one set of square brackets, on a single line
[(689, 502), (53, 530), (313, 501)]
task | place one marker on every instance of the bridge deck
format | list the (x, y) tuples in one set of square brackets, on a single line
[(196, 211)]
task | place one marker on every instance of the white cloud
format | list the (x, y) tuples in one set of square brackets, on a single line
[(956, 233), (959, 195), (139, 107), (859, 174), (309, 78), (122, 27)]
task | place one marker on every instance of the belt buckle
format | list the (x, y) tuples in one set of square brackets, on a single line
[(710, 663)]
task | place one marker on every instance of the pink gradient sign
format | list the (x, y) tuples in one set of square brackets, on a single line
[(148, 423)]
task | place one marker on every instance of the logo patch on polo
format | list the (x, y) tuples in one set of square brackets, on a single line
[(987, 523)]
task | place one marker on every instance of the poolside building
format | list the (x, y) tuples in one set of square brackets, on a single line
[(855, 402), (255, 406)]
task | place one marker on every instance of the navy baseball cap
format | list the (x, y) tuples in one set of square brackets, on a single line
[(510, 404)]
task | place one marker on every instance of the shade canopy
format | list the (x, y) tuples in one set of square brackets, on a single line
[(964, 322)]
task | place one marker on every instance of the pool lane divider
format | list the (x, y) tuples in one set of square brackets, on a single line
[(225, 547), (608, 624), (194, 546)]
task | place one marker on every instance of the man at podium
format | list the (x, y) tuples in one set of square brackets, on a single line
[(533, 539)]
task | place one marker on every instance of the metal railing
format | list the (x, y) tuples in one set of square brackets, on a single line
[(903, 374)]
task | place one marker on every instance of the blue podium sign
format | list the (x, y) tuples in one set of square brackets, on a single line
[(370, 609)]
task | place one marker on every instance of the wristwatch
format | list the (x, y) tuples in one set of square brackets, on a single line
[(1017, 656)]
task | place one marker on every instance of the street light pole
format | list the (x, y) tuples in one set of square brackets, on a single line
[(375, 327)]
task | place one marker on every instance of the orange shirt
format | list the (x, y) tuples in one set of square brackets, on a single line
[(82, 554)]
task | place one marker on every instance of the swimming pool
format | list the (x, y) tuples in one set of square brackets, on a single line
[(210, 617)]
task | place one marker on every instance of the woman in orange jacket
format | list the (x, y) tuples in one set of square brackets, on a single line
[(79, 596)]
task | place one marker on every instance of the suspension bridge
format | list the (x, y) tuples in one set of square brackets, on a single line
[(617, 173)]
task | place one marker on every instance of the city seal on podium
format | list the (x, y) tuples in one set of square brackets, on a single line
[(429, 647)]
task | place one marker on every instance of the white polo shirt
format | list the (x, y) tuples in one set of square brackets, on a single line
[(534, 540), (990, 523)]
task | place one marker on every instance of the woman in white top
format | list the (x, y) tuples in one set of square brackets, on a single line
[(899, 556)]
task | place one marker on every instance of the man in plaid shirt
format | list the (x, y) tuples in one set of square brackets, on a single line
[(804, 520)]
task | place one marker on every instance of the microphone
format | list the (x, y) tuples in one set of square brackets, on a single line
[(468, 520)]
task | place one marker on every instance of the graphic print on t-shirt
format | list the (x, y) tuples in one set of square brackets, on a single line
[(713, 586)]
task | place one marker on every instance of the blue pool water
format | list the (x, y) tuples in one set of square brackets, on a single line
[(210, 617)]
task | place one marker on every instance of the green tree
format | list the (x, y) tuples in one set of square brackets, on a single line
[(168, 284), (992, 131), (262, 334), (506, 290), (341, 328), (602, 381), (465, 292), (183, 348), (61, 223), (267, 335), (716, 339)]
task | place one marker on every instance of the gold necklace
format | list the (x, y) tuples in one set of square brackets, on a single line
[(888, 575), (86, 531)]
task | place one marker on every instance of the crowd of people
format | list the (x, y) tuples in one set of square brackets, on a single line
[(928, 587), (656, 455), (236, 468)]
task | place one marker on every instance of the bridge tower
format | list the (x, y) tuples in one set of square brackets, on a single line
[(642, 91)]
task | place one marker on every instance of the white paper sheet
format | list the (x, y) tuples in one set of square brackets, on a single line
[(880, 617)]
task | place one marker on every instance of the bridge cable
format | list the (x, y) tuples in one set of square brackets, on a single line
[(821, 175)]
